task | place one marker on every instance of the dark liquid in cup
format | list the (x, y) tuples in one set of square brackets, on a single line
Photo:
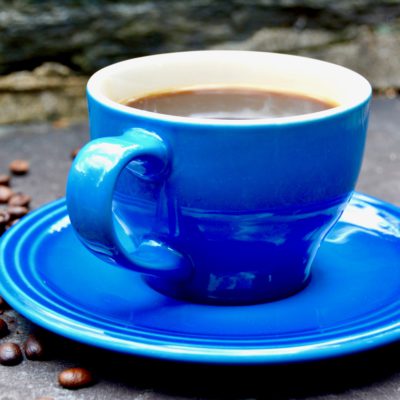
[(230, 103)]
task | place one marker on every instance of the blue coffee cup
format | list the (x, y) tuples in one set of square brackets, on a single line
[(217, 211)]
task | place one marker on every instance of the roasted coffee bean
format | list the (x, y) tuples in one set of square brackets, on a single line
[(75, 152), (5, 180), (10, 354), (4, 217), (19, 199), (5, 194), (4, 220), (3, 304), (75, 378), (11, 223), (61, 123), (19, 167), (17, 212), (33, 348), (3, 328)]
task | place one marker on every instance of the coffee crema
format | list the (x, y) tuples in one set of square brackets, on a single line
[(229, 103)]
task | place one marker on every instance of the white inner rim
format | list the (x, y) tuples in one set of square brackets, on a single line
[(271, 71)]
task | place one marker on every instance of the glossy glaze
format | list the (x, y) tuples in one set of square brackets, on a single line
[(351, 304), (228, 212)]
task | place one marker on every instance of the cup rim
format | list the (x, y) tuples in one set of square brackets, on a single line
[(94, 91)]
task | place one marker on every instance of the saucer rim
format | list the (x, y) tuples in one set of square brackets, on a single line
[(82, 332)]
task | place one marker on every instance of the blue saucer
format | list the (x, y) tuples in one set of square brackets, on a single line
[(351, 304)]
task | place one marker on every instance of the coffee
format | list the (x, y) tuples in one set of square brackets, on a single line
[(229, 103)]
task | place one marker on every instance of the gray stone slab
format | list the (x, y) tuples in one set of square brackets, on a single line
[(371, 375)]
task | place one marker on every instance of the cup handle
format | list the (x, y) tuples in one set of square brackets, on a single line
[(90, 188)]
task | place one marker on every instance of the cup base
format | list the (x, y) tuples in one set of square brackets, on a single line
[(176, 291)]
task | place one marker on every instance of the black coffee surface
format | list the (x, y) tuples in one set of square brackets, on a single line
[(229, 103)]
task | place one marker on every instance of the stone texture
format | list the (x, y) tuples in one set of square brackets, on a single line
[(49, 92), (86, 35), (371, 52), (91, 34)]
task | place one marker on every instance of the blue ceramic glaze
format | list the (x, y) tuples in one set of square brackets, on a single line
[(214, 211), (352, 302)]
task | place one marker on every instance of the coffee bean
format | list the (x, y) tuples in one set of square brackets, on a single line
[(5, 194), (75, 152), (17, 212), (4, 220), (19, 167), (4, 217), (75, 378), (5, 180), (3, 328), (11, 223), (3, 304), (34, 349), (61, 123), (10, 354), (19, 199)]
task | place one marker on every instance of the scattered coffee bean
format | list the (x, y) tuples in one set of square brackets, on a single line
[(61, 123), (19, 167), (11, 223), (10, 354), (17, 212), (5, 180), (75, 378), (4, 221), (4, 217), (34, 349), (3, 328), (3, 304), (75, 152), (19, 199), (5, 194)]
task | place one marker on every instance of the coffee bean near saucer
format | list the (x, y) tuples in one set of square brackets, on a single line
[(19, 199), (5, 194), (75, 378), (5, 180), (19, 167), (75, 152), (17, 212), (4, 331), (10, 354), (34, 348)]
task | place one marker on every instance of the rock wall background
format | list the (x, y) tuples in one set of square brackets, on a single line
[(48, 48)]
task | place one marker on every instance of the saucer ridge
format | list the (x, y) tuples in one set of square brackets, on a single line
[(351, 304)]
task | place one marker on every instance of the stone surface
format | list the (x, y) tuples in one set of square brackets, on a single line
[(49, 92), (371, 375), (87, 35), (372, 53)]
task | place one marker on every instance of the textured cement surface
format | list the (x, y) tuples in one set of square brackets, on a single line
[(371, 375)]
